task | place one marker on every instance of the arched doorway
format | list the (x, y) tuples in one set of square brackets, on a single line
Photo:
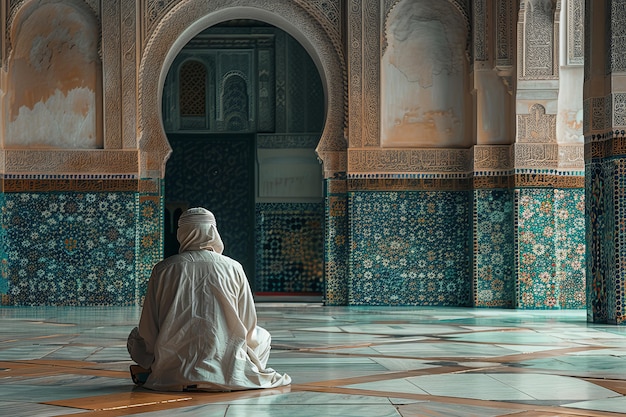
[(243, 110), (319, 37)]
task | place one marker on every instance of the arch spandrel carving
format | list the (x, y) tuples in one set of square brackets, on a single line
[(189, 18)]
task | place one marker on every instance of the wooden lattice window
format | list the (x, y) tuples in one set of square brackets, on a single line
[(193, 78)]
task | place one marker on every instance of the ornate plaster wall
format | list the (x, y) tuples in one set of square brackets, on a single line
[(54, 78), (424, 76)]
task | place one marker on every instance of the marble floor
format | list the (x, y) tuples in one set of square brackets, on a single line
[(344, 361)]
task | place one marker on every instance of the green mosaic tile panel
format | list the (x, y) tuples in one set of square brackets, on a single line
[(336, 246), (551, 252), (494, 262), (410, 248), (290, 245), (570, 247), (74, 249)]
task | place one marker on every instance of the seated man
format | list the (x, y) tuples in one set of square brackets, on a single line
[(198, 327)]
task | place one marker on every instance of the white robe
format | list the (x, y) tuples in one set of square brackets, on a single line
[(199, 327)]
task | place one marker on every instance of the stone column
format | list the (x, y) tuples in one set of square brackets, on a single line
[(605, 159), (493, 218), (548, 162), (336, 241)]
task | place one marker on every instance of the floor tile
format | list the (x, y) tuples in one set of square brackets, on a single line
[(344, 361)]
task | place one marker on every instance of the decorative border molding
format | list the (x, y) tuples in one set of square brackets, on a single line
[(520, 180), (79, 183), (69, 185), (571, 156), (482, 159), (410, 184), (608, 145), (493, 157), (409, 160), (575, 32), (289, 140), (536, 155), (68, 161), (549, 181)]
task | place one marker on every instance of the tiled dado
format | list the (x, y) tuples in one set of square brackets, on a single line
[(435, 241), (606, 237), (409, 248), (421, 241), (494, 249), (289, 237), (75, 241), (336, 241), (550, 236)]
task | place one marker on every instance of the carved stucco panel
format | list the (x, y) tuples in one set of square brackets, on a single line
[(519, 156), (112, 68), (128, 53), (505, 33), (618, 37), (537, 42), (598, 121), (410, 160), (355, 111), (536, 155), (537, 126), (575, 32), (371, 73), (619, 110), (70, 161), (493, 157), (572, 156), (481, 29)]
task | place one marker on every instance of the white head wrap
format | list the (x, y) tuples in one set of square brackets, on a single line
[(197, 229)]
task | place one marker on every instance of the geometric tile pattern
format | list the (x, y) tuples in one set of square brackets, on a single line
[(404, 247), (616, 232), (550, 230), (410, 248), (290, 247), (494, 248), (149, 239), (70, 248), (595, 236), (335, 245), (4, 270), (606, 234), (343, 361), (570, 247)]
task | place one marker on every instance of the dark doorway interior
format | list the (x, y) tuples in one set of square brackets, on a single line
[(214, 171)]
